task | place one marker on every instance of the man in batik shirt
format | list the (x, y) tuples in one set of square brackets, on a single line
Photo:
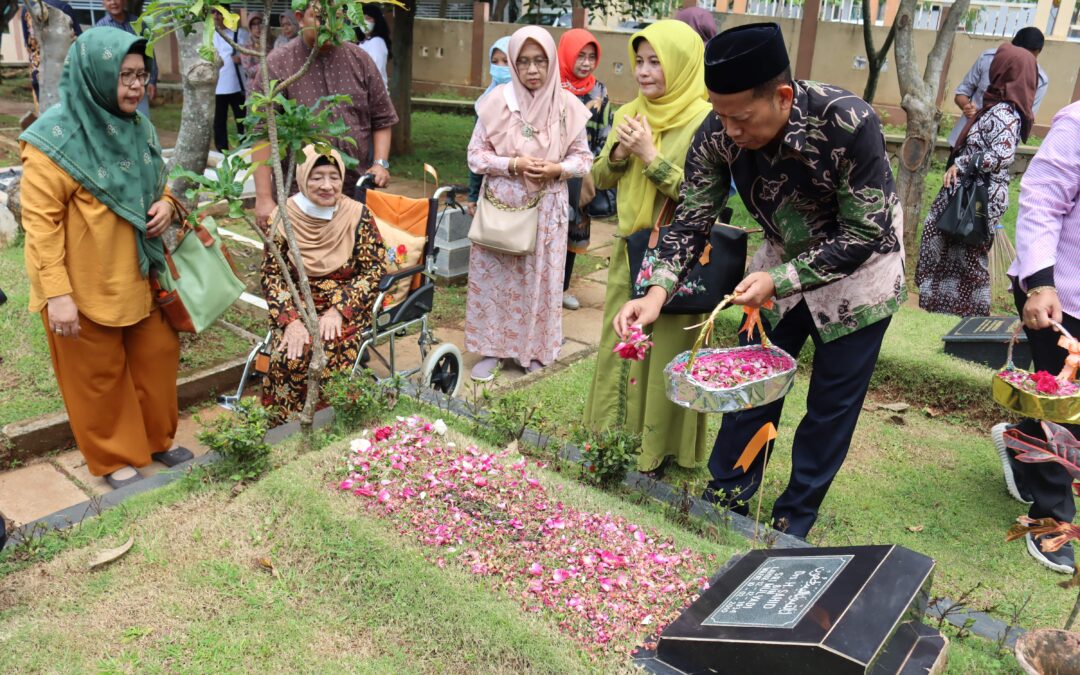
[(342, 69), (809, 163)]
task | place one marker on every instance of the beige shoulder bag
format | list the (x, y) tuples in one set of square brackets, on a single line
[(503, 228)]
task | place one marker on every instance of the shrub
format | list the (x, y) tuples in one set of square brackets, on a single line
[(360, 400), (606, 455), (239, 439)]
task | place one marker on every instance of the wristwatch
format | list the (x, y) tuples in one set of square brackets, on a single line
[(383, 163)]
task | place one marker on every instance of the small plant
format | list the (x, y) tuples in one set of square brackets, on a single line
[(608, 454), (360, 400), (507, 420), (239, 439)]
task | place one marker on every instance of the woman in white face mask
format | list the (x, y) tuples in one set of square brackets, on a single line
[(375, 39), (499, 68)]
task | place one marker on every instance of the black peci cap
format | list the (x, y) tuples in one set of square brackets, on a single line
[(745, 57)]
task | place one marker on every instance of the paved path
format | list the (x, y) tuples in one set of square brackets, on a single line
[(51, 484)]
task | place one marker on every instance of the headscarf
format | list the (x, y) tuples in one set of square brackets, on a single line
[(1013, 77), (570, 45), (113, 154), (499, 74), (701, 20), (325, 245), (543, 123), (674, 117)]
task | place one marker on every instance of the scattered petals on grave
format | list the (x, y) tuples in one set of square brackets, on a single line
[(606, 582)]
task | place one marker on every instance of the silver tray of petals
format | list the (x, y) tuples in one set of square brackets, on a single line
[(730, 379)]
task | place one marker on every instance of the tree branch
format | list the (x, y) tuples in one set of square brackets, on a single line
[(868, 36), (907, 70), (943, 41), (288, 81)]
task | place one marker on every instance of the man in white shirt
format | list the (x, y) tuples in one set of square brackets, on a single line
[(969, 94), (230, 88)]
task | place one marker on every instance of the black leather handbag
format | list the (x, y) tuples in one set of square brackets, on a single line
[(715, 274), (965, 218)]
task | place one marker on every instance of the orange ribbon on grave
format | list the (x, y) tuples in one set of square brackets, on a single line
[(1072, 361), (765, 434)]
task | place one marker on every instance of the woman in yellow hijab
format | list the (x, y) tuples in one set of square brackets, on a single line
[(644, 158)]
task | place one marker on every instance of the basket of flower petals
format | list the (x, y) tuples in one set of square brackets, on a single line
[(722, 380), (1042, 395)]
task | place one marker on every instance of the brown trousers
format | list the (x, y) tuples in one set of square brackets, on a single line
[(119, 388)]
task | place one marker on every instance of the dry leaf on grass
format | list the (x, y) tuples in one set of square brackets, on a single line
[(894, 407), (931, 412), (896, 419), (109, 555), (915, 528), (268, 565)]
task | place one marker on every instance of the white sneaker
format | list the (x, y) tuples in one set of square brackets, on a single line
[(997, 435), (570, 302)]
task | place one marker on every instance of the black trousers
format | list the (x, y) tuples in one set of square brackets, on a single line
[(222, 103), (1048, 483), (838, 383)]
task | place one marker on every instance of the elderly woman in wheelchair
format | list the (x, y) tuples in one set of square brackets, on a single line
[(344, 258)]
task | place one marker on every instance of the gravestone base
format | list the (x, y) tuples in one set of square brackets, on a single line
[(452, 242), (850, 610)]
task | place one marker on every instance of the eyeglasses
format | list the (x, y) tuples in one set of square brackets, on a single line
[(525, 64), (587, 58), (129, 78)]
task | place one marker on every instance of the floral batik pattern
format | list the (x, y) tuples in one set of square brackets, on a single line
[(352, 289), (825, 198), (514, 306), (954, 278)]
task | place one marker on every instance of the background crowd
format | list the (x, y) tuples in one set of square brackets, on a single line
[(549, 142)]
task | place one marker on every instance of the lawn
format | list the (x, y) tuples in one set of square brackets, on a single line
[(929, 480), (288, 575)]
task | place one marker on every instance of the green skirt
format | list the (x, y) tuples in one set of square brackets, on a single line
[(667, 429)]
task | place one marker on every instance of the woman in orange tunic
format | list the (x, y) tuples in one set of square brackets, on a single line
[(94, 207)]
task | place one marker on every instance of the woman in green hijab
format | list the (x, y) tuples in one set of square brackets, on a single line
[(94, 208)]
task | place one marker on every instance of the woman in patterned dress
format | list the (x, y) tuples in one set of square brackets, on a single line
[(530, 138), (344, 258), (953, 277), (645, 158)]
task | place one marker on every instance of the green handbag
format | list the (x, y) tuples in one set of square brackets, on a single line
[(200, 282)]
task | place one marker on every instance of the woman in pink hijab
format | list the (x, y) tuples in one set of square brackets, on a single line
[(529, 140)]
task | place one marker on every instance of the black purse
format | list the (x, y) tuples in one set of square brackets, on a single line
[(965, 218), (717, 272)]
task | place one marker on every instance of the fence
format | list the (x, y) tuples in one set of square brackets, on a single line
[(996, 18)]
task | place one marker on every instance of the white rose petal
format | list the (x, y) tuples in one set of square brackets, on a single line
[(360, 445), (439, 427)]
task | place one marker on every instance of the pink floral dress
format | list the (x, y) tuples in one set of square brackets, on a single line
[(514, 305)]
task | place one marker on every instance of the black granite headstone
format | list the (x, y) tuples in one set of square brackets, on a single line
[(985, 340), (814, 610)]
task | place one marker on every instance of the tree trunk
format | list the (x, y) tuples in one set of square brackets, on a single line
[(400, 92), (199, 79), (875, 58), (54, 34), (918, 98)]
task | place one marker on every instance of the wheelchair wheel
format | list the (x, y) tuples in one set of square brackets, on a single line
[(442, 369)]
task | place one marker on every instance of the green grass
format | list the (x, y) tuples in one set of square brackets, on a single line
[(940, 473), (29, 385), (166, 117), (441, 141), (346, 593)]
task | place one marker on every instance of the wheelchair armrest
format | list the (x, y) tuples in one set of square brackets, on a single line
[(392, 278)]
